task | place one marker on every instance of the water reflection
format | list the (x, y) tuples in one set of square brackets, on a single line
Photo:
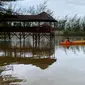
[(41, 56), (74, 48), (8, 79), (44, 64), (15, 53)]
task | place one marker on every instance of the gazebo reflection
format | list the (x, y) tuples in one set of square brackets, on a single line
[(41, 56)]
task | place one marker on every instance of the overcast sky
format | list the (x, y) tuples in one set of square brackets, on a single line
[(60, 8)]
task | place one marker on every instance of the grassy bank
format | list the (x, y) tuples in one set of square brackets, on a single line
[(69, 33)]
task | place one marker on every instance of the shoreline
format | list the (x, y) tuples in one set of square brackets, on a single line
[(62, 33)]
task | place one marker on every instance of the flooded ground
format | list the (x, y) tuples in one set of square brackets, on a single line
[(50, 65)]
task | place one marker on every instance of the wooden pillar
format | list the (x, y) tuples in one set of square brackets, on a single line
[(50, 37), (4, 36), (15, 52), (4, 41), (33, 40), (10, 52), (54, 46), (20, 43), (39, 24), (24, 43), (38, 39)]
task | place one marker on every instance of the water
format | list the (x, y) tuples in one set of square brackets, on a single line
[(67, 68)]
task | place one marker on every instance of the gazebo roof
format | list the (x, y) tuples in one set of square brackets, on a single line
[(40, 17)]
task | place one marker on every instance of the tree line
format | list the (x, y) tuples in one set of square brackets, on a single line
[(73, 24)]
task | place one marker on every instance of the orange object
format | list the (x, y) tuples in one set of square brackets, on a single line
[(73, 42)]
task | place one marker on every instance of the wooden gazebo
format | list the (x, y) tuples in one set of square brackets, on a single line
[(41, 23), (35, 35), (38, 27)]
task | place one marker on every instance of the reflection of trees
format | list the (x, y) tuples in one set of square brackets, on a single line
[(7, 79), (74, 48), (78, 48), (25, 52)]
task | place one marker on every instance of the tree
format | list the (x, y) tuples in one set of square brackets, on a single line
[(2, 3), (3, 10), (39, 8), (36, 9)]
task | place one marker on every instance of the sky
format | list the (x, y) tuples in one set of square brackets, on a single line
[(60, 8)]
